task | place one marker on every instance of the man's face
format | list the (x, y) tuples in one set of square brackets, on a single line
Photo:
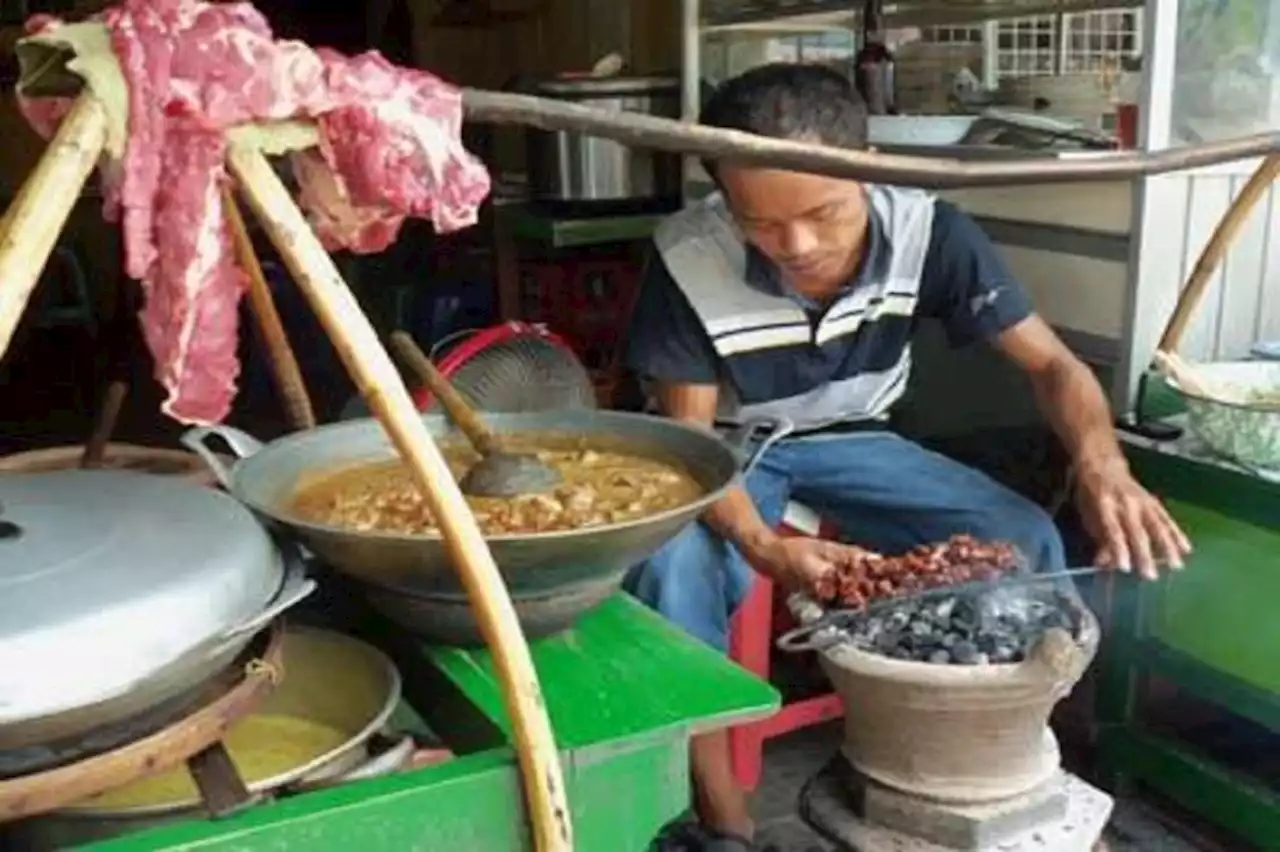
[(811, 227)]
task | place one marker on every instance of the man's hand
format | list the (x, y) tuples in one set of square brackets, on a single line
[(800, 564), (1132, 528)]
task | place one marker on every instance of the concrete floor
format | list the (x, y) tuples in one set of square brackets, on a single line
[(792, 760)]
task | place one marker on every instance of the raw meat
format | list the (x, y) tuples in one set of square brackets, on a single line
[(389, 148)]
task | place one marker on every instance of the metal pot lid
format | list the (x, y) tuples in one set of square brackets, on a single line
[(107, 576), (587, 86)]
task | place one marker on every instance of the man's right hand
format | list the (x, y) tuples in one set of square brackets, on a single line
[(801, 563)]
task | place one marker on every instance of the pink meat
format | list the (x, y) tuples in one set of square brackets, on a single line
[(390, 148)]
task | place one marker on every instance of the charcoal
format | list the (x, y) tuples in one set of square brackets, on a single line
[(1000, 625), (965, 653)]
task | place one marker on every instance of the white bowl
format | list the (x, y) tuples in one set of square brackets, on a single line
[(918, 129)]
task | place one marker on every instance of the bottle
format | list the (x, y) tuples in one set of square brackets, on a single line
[(873, 64)]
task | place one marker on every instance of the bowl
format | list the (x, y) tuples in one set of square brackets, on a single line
[(1243, 433), (918, 129)]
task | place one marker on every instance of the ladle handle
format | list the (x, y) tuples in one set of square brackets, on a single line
[(459, 409)]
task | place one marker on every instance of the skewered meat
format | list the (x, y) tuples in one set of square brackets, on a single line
[(389, 148), (960, 559)]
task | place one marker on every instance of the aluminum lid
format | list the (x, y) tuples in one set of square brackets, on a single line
[(107, 576)]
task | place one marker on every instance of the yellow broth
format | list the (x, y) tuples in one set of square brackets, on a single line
[(261, 747), (601, 486)]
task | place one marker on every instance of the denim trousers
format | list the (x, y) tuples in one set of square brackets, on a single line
[(882, 491)]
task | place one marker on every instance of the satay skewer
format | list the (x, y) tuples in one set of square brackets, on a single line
[(33, 222), (383, 390), (284, 364)]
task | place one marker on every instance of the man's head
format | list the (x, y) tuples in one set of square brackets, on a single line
[(812, 227)]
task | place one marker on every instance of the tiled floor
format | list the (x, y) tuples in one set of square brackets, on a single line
[(792, 760)]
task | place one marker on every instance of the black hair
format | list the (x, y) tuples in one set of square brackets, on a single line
[(790, 100)]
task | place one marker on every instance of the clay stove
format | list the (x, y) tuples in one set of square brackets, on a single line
[(942, 756)]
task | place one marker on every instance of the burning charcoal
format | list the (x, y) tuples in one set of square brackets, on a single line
[(966, 653), (920, 628), (897, 620), (940, 657), (949, 640)]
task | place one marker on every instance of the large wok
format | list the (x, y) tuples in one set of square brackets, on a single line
[(552, 577)]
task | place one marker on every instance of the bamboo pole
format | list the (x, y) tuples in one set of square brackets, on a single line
[(1216, 249), (646, 131), (284, 364), (369, 365), (32, 224)]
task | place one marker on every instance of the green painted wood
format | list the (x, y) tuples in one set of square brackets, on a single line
[(1211, 684), (524, 223), (621, 672), (472, 803), (1195, 783), (1211, 629), (1221, 609), (624, 690)]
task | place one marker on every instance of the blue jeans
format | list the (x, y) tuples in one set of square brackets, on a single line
[(884, 493)]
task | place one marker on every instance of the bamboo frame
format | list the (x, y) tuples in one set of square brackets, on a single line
[(698, 140), (1216, 249), (370, 366)]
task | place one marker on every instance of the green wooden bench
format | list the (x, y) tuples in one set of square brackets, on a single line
[(625, 691)]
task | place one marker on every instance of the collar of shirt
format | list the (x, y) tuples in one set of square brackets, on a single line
[(763, 274)]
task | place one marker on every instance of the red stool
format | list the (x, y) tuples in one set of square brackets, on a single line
[(762, 615)]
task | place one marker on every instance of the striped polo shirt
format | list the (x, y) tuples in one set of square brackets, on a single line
[(714, 310)]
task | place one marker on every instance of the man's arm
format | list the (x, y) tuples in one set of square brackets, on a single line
[(734, 516), (969, 288), (1067, 393), (668, 346)]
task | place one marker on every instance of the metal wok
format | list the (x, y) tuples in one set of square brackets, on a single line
[(553, 577)]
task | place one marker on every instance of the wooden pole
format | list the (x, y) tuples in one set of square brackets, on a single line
[(374, 374), (647, 131), (1216, 249), (34, 220), (284, 364)]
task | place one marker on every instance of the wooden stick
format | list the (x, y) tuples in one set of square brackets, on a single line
[(284, 364), (1216, 249), (34, 220), (369, 365), (646, 131), (95, 449)]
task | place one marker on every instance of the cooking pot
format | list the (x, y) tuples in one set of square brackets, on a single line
[(572, 168), (332, 680), (552, 577), (122, 591)]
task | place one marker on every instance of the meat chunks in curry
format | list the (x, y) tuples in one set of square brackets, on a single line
[(600, 487)]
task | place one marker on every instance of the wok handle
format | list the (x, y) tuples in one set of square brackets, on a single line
[(297, 585), (764, 432), (241, 443)]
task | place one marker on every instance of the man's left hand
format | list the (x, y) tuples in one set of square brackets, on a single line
[(1132, 528)]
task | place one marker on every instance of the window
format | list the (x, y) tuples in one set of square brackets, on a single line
[(952, 35)]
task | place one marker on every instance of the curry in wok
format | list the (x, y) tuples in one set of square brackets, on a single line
[(601, 486)]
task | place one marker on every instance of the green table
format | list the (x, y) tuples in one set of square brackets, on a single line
[(625, 691), (1213, 630)]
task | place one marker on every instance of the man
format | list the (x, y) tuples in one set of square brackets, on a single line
[(795, 295)]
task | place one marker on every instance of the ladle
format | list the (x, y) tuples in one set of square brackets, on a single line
[(498, 473)]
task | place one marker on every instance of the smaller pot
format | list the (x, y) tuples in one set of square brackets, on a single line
[(331, 680)]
